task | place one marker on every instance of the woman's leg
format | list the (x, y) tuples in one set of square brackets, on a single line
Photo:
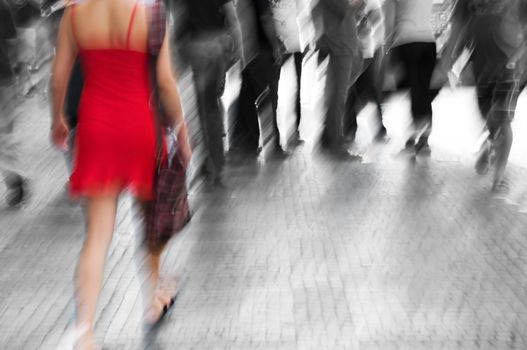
[(100, 219), (158, 298), (155, 299)]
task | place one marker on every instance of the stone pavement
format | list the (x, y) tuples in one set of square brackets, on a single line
[(305, 253)]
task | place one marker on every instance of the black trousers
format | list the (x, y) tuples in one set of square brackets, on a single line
[(209, 80), (259, 74), (340, 77), (418, 61), (366, 89)]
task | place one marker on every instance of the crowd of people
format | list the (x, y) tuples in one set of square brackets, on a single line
[(370, 46), (102, 113)]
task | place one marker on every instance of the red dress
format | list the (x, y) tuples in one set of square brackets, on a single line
[(115, 146)]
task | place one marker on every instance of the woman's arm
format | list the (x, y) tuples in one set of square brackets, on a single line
[(169, 94), (66, 52)]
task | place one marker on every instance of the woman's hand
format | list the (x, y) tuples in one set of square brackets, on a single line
[(59, 133)]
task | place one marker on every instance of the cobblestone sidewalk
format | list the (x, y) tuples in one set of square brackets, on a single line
[(305, 253)]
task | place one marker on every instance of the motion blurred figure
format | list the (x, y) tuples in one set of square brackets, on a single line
[(210, 40), (51, 11), (410, 36), (27, 18), (9, 162), (262, 58), (336, 20), (493, 32), (115, 148), (368, 87)]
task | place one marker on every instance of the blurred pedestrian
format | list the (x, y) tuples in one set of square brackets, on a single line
[(115, 148), (52, 12), (9, 158), (262, 58), (210, 40), (339, 40), (368, 87), (410, 37), (26, 14), (492, 31)]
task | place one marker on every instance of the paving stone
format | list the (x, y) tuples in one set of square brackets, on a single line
[(308, 253)]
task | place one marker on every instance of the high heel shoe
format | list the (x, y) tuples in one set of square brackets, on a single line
[(151, 325)]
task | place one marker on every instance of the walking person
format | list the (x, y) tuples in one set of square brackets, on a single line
[(115, 147), (9, 159), (210, 40), (410, 37), (262, 59), (338, 40), (493, 31), (27, 17), (368, 87)]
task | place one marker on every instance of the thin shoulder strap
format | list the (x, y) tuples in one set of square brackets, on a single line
[(130, 26)]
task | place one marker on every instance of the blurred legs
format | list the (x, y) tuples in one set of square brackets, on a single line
[(100, 218)]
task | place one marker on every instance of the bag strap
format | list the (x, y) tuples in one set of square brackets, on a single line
[(157, 27), (156, 36)]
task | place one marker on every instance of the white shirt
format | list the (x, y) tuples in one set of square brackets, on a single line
[(374, 36), (413, 21), (285, 14)]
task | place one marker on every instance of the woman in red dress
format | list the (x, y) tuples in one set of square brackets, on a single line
[(115, 147)]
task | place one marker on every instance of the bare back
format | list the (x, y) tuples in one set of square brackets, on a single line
[(115, 140), (104, 24)]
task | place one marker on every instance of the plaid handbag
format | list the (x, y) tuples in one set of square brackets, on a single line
[(169, 212)]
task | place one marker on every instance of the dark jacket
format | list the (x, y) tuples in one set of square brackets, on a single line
[(493, 29)]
